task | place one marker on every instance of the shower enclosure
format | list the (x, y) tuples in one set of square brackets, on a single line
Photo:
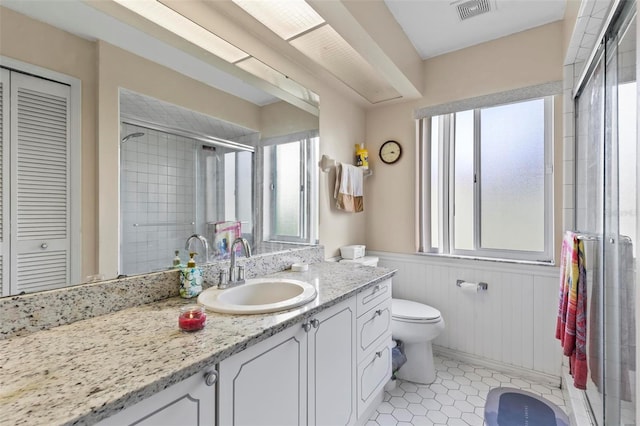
[(173, 185), (606, 217)]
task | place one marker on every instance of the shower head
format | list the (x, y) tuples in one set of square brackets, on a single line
[(132, 135)]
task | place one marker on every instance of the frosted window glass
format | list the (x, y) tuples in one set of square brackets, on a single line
[(512, 176), (463, 207), (244, 191), (434, 181), (230, 186), (287, 212)]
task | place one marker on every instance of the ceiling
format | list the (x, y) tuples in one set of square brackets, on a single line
[(435, 27), (371, 51)]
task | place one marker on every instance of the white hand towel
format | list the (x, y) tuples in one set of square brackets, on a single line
[(348, 191)]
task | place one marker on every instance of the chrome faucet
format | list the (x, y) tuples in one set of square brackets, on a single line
[(205, 245), (239, 278)]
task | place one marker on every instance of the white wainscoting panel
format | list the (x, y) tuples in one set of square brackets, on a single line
[(511, 323)]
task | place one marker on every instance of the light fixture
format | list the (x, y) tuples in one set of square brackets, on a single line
[(298, 23), (171, 20), (287, 18)]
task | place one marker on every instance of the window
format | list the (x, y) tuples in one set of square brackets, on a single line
[(290, 192), (486, 182)]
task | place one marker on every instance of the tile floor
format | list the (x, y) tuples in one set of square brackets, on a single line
[(456, 398)]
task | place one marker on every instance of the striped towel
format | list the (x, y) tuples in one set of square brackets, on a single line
[(571, 326)]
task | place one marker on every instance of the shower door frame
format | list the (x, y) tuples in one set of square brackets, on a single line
[(606, 267)]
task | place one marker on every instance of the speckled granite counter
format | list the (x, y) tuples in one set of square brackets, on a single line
[(83, 372)]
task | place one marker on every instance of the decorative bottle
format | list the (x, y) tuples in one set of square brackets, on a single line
[(190, 279)]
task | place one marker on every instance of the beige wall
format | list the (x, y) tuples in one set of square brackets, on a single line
[(523, 59), (35, 43), (341, 126)]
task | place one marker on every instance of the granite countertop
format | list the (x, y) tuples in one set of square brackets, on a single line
[(86, 371)]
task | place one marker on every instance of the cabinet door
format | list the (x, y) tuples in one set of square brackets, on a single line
[(266, 384), (332, 363), (192, 402), (373, 373)]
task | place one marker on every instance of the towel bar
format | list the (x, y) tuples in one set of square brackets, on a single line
[(326, 163)]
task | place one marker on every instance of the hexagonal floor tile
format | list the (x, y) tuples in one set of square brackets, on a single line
[(437, 417), (472, 419), (386, 420), (402, 414), (456, 398), (412, 397), (399, 402), (417, 409), (451, 411)]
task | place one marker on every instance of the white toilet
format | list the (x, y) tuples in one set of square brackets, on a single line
[(416, 325)]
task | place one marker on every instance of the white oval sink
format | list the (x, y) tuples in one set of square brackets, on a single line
[(258, 296)]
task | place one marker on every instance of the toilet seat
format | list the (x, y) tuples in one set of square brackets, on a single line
[(413, 312)]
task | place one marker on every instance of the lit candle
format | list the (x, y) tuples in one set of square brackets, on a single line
[(192, 318)]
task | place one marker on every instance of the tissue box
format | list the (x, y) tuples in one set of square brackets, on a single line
[(352, 252)]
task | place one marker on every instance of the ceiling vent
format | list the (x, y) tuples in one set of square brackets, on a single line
[(469, 9)]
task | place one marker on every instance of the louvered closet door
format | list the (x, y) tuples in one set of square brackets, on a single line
[(40, 184), (4, 183)]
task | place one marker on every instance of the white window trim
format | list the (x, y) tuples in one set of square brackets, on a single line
[(309, 196), (75, 153), (446, 169)]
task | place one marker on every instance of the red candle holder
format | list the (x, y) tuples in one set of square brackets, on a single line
[(192, 318)]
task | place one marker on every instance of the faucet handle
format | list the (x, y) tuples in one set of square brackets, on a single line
[(240, 273), (224, 279)]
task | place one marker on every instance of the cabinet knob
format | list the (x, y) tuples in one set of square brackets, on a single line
[(379, 354), (376, 288), (306, 326), (315, 323), (378, 312), (210, 378), (44, 246)]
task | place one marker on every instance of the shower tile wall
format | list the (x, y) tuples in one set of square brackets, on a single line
[(157, 198)]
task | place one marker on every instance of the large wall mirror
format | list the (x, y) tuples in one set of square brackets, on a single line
[(165, 153)]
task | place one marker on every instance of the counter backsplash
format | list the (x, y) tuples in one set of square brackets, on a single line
[(24, 314)]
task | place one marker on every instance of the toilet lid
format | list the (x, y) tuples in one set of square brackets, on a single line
[(413, 311)]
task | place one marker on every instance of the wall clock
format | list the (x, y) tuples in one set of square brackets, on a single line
[(390, 152)]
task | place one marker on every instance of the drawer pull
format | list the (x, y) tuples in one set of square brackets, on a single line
[(379, 354), (378, 312), (376, 288), (44, 246), (306, 326), (210, 378), (315, 323)]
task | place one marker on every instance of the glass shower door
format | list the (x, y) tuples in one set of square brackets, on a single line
[(606, 213)]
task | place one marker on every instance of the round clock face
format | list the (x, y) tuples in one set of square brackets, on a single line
[(390, 152)]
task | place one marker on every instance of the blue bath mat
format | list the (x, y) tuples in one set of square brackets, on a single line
[(515, 407)]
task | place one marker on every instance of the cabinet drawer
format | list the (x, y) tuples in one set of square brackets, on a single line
[(373, 326), (373, 295), (373, 373)]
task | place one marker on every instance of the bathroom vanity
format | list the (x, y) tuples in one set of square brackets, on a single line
[(325, 362)]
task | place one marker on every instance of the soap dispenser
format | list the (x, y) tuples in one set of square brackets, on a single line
[(176, 260), (190, 278)]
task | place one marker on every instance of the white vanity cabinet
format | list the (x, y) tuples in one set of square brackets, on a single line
[(191, 402), (374, 346), (302, 375)]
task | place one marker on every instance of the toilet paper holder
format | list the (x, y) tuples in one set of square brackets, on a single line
[(481, 285)]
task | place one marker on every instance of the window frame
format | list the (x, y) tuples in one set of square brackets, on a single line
[(308, 193), (446, 187)]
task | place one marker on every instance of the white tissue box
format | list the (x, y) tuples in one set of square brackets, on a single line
[(352, 252)]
